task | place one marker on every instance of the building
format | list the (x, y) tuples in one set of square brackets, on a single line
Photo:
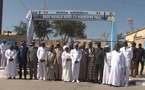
[(138, 36)]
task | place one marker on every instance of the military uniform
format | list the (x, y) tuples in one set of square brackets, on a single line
[(32, 58), (99, 62)]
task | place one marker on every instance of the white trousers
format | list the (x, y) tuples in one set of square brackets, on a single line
[(127, 68), (75, 71), (42, 70), (122, 81), (3, 60)]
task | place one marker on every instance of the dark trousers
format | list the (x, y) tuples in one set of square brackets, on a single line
[(24, 65), (133, 67), (99, 70), (142, 66), (33, 69)]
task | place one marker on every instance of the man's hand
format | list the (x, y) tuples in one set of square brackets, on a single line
[(67, 59), (41, 60), (76, 61), (10, 59)]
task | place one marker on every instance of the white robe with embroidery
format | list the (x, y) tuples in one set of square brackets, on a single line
[(117, 63), (11, 70), (107, 61), (66, 65)]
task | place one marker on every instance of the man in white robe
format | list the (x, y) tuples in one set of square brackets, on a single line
[(66, 64), (3, 48), (41, 55), (117, 64), (76, 56), (107, 62), (11, 70), (128, 54)]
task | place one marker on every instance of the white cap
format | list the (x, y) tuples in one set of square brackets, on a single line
[(106, 45), (65, 46)]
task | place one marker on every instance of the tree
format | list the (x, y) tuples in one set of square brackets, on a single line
[(120, 36), (42, 29), (21, 29), (69, 30)]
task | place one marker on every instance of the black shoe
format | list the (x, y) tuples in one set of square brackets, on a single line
[(14, 78), (100, 82), (35, 78), (9, 77), (20, 78), (96, 81), (25, 78), (30, 78)]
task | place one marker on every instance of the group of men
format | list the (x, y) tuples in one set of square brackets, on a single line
[(87, 64)]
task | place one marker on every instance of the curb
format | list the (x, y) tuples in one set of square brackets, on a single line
[(140, 83)]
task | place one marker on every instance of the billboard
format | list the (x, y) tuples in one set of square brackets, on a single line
[(72, 15)]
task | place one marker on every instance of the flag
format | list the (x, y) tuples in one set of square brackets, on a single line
[(30, 30)]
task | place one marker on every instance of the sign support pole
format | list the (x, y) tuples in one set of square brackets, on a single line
[(113, 34)]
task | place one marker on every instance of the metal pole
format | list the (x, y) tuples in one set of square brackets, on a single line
[(1, 14), (113, 34)]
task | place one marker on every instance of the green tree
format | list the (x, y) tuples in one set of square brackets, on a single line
[(120, 36), (42, 29), (69, 30), (21, 29)]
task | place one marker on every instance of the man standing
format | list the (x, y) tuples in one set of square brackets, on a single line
[(128, 54), (3, 48), (11, 70), (76, 56), (50, 60), (83, 63), (58, 65), (140, 55), (134, 60), (99, 62), (41, 55), (32, 60), (117, 64), (22, 59)]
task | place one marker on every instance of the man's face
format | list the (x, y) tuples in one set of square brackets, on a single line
[(133, 44), (139, 45), (43, 44), (11, 47), (4, 42), (58, 45), (117, 47), (125, 44), (76, 46), (90, 44), (99, 45), (15, 43), (33, 44), (22, 43)]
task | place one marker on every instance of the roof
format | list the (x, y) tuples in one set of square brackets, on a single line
[(140, 29)]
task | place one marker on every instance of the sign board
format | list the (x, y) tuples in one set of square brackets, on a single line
[(72, 15), (79, 15)]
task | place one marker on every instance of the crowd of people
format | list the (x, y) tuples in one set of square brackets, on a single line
[(73, 62)]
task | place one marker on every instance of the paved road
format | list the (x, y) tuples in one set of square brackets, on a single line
[(55, 85), (17, 84)]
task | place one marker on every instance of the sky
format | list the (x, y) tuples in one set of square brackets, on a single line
[(14, 12)]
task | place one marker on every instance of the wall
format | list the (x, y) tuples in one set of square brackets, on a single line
[(12, 38)]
